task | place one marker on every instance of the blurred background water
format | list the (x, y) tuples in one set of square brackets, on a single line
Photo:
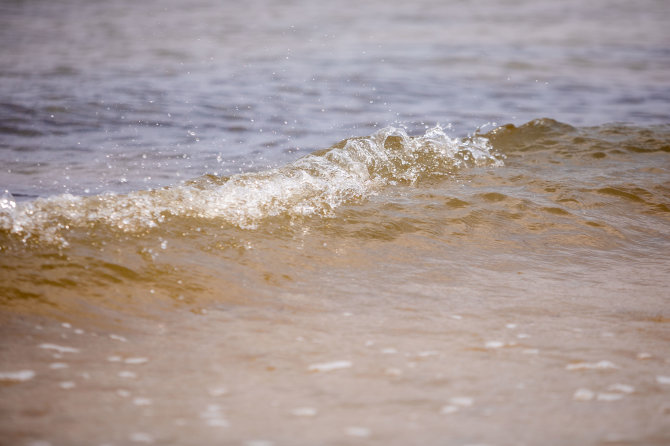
[(117, 96)]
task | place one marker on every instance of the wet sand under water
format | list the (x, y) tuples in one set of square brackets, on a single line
[(461, 361), (494, 373)]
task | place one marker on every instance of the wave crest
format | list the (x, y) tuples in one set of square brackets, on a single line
[(313, 185)]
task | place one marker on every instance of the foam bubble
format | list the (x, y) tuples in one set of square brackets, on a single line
[(21, 375), (59, 348), (623, 388), (58, 365), (609, 396), (449, 409), (136, 360), (329, 366), (141, 437), (213, 416), (463, 401), (142, 401), (356, 431), (218, 391), (663, 379), (600, 365), (304, 412), (583, 395), (427, 353)]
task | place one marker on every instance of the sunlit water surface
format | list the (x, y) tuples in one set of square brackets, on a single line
[(286, 223)]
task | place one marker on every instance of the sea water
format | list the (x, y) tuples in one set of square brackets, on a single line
[(290, 222)]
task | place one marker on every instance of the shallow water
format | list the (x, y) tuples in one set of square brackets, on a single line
[(171, 274)]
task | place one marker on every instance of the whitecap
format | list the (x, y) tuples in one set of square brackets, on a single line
[(20, 376)]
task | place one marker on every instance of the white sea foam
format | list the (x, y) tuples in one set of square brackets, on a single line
[(600, 365), (21, 375), (136, 360), (583, 395), (142, 401), (218, 391), (623, 388), (313, 185), (449, 409), (58, 365), (603, 396), (59, 348), (427, 353), (356, 431), (329, 366), (463, 401), (213, 416), (663, 379), (304, 412), (141, 437)]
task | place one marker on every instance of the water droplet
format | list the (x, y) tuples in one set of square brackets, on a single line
[(7, 202)]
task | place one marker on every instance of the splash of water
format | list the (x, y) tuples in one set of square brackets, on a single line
[(314, 185)]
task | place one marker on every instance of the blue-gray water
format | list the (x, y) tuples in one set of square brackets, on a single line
[(118, 96), (295, 223)]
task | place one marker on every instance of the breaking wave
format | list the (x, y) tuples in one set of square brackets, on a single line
[(314, 185)]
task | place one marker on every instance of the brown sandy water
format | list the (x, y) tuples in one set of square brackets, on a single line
[(180, 263), (502, 289)]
